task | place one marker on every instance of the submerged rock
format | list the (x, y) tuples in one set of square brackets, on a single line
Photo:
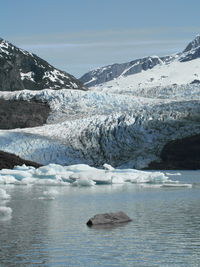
[(109, 218)]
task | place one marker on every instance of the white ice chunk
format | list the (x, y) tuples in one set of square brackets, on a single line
[(17, 174), (8, 179), (108, 167), (49, 171), (3, 194), (173, 174), (79, 168), (98, 176), (151, 185), (117, 180), (83, 182), (24, 168), (50, 182)]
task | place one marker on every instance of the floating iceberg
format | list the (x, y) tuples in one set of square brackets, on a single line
[(83, 182), (81, 175), (173, 174)]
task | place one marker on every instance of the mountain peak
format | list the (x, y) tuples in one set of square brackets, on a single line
[(194, 44), (20, 70)]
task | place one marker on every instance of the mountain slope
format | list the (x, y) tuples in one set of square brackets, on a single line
[(175, 74), (133, 69), (110, 72), (20, 70)]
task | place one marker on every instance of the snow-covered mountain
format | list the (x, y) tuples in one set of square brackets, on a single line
[(148, 72), (20, 70)]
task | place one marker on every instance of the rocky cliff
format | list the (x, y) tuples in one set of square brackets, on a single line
[(22, 114), (180, 154)]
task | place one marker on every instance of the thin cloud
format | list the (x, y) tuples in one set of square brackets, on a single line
[(100, 44)]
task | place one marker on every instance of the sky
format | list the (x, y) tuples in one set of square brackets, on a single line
[(80, 35)]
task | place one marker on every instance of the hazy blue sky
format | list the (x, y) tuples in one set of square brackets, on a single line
[(79, 35)]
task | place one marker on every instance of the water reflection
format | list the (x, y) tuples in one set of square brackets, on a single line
[(165, 230)]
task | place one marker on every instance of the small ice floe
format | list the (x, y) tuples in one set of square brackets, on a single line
[(16, 173), (8, 179), (48, 182), (108, 167), (151, 185), (117, 180), (4, 195), (51, 182), (24, 168), (83, 182), (52, 171), (5, 213), (173, 174), (176, 185), (49, 194)]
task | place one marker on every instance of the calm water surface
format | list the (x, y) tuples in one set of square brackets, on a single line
[(165, 230)]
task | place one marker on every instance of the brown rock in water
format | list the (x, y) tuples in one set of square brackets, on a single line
[(108, 218)]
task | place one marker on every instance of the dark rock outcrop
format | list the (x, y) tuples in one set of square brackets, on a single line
[(20, 70), (195, 81), (8, 161), (108, 218), (22, 114), (190, 55), (193, 44), (181, 154)]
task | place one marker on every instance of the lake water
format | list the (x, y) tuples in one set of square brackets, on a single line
[(165, 230)]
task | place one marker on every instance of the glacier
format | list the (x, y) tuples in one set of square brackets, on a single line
[(94, 127)]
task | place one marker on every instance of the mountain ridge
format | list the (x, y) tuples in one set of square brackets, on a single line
[(20, 70), (110, 72)]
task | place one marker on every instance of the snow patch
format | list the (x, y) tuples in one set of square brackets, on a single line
[(29, 76)]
